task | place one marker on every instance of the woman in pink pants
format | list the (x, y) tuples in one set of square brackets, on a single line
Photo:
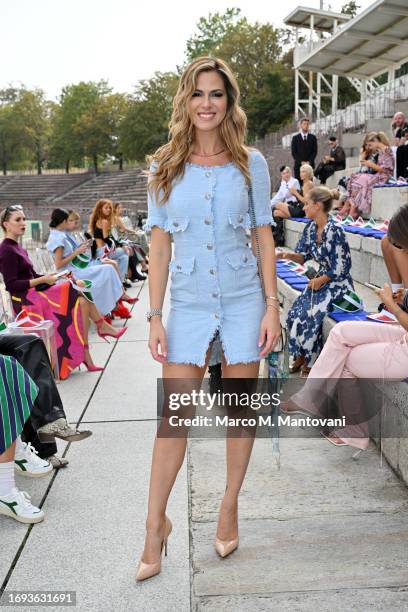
[(358, 349)]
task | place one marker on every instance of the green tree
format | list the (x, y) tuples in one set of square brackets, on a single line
[(76, 103), (145, 126), (34, 112), (350, 8), (12, 133)]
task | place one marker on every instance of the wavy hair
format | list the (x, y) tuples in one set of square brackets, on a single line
[(170, 159), (97, 215)]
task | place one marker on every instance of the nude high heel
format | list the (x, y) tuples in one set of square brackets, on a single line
[(148, 570), (225, 547)]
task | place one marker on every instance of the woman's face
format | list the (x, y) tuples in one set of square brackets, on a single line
[(16, 223), (73, 225), (312, 208), (304, 174), (107, 210), (119, 210), (373, 146), (208, 104)]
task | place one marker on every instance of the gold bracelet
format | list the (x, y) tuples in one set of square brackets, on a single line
[(271, 297)]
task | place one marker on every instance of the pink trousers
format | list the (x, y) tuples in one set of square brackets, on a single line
[(355, 349)]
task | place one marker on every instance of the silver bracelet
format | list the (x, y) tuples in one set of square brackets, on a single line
[(152, 313)]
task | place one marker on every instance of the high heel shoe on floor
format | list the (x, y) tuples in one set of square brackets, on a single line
[(105, 335), (121, 311), (89, 367), (225, 547), (148, 570)]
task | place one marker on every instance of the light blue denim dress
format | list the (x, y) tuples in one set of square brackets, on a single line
[(214, 279), (106, 286)]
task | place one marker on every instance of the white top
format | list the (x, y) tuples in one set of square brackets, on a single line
[(283, 194)]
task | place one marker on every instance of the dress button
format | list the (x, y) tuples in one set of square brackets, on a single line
[(208, 196), (175, 224), (207, 221), (214, 295), (209, 247), (207, 174), (245, 259), (212, 271), (240, 219), (178, 267), (217, 316)]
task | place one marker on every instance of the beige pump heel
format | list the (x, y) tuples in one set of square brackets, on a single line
[(148, 570), (226, 547)]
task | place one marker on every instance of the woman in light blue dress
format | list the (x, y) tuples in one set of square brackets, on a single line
[(106, 286), (199, 196)]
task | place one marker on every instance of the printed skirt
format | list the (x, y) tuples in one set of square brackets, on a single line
[(18, 393), (59, 304)]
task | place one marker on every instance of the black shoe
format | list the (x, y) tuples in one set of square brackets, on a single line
[(137, 277), (127, 285)]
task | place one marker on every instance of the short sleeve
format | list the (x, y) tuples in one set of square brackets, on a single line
[(261, 189), (55, 241), (156, 214)]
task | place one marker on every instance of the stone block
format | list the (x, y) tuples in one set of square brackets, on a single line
[(354, 241), (361, 266), (387, 200), (378, 272), (371, 245)]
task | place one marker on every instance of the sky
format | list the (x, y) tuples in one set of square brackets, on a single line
[(52, 43)]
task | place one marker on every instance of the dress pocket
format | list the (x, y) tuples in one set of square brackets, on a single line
[(178, 224), (239, 219), (183, 278), (244, 270)]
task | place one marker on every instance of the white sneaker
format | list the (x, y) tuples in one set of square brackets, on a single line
[(27, 463), (18, 506)]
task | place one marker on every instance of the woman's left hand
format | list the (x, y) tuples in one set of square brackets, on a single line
[(270, 331), (317, 283)]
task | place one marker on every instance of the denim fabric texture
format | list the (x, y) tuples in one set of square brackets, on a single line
[(214, 279)]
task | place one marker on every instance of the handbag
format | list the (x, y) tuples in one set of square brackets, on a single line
[(278, 358)]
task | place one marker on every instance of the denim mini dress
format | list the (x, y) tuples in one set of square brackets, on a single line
[(214, 278)]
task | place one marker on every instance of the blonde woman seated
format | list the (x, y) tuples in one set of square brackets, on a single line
[(284, 210)]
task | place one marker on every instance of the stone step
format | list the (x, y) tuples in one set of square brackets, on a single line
[(387, 200)]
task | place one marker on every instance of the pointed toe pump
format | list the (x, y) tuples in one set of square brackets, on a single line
[(105, 335), (148, 570), (91, 367), (226, 547)]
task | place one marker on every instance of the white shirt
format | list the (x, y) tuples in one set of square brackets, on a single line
[(283, 194)]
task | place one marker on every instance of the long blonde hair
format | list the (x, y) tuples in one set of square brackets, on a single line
[(170, 159)]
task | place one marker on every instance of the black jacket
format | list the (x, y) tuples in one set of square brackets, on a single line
[(304, 150)]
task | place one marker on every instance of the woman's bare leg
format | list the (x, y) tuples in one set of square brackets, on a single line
[(8, 454), (238, 455), (167, 459), (281, 210)]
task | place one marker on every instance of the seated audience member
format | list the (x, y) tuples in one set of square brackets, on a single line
[(100, 225), (325, 242), (360, 185), (106, 286), (359, 349), (13, 453), (331, 163), (136, 253), (41, 298), (47, 420), (287, 181), (399, 128), (396, 257)]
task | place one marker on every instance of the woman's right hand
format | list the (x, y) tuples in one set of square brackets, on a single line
[(157, 338), (49, 279), (81, 249)]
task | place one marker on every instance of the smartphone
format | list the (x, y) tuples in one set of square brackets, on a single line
[(371, 286), (63, 273)]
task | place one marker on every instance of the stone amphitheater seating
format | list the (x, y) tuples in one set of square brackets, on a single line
[(129, 185), (35, 189), (367, 266)]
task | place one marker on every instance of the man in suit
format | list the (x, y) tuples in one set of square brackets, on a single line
[(335, 160), (304, 147)]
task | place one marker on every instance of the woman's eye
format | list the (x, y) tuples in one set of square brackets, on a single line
[(196, 94), (218, 94)]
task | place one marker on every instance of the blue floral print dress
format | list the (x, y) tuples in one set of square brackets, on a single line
[(214, 279), (305, 318)]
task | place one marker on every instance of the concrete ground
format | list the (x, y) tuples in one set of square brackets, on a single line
[(323, 533)]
